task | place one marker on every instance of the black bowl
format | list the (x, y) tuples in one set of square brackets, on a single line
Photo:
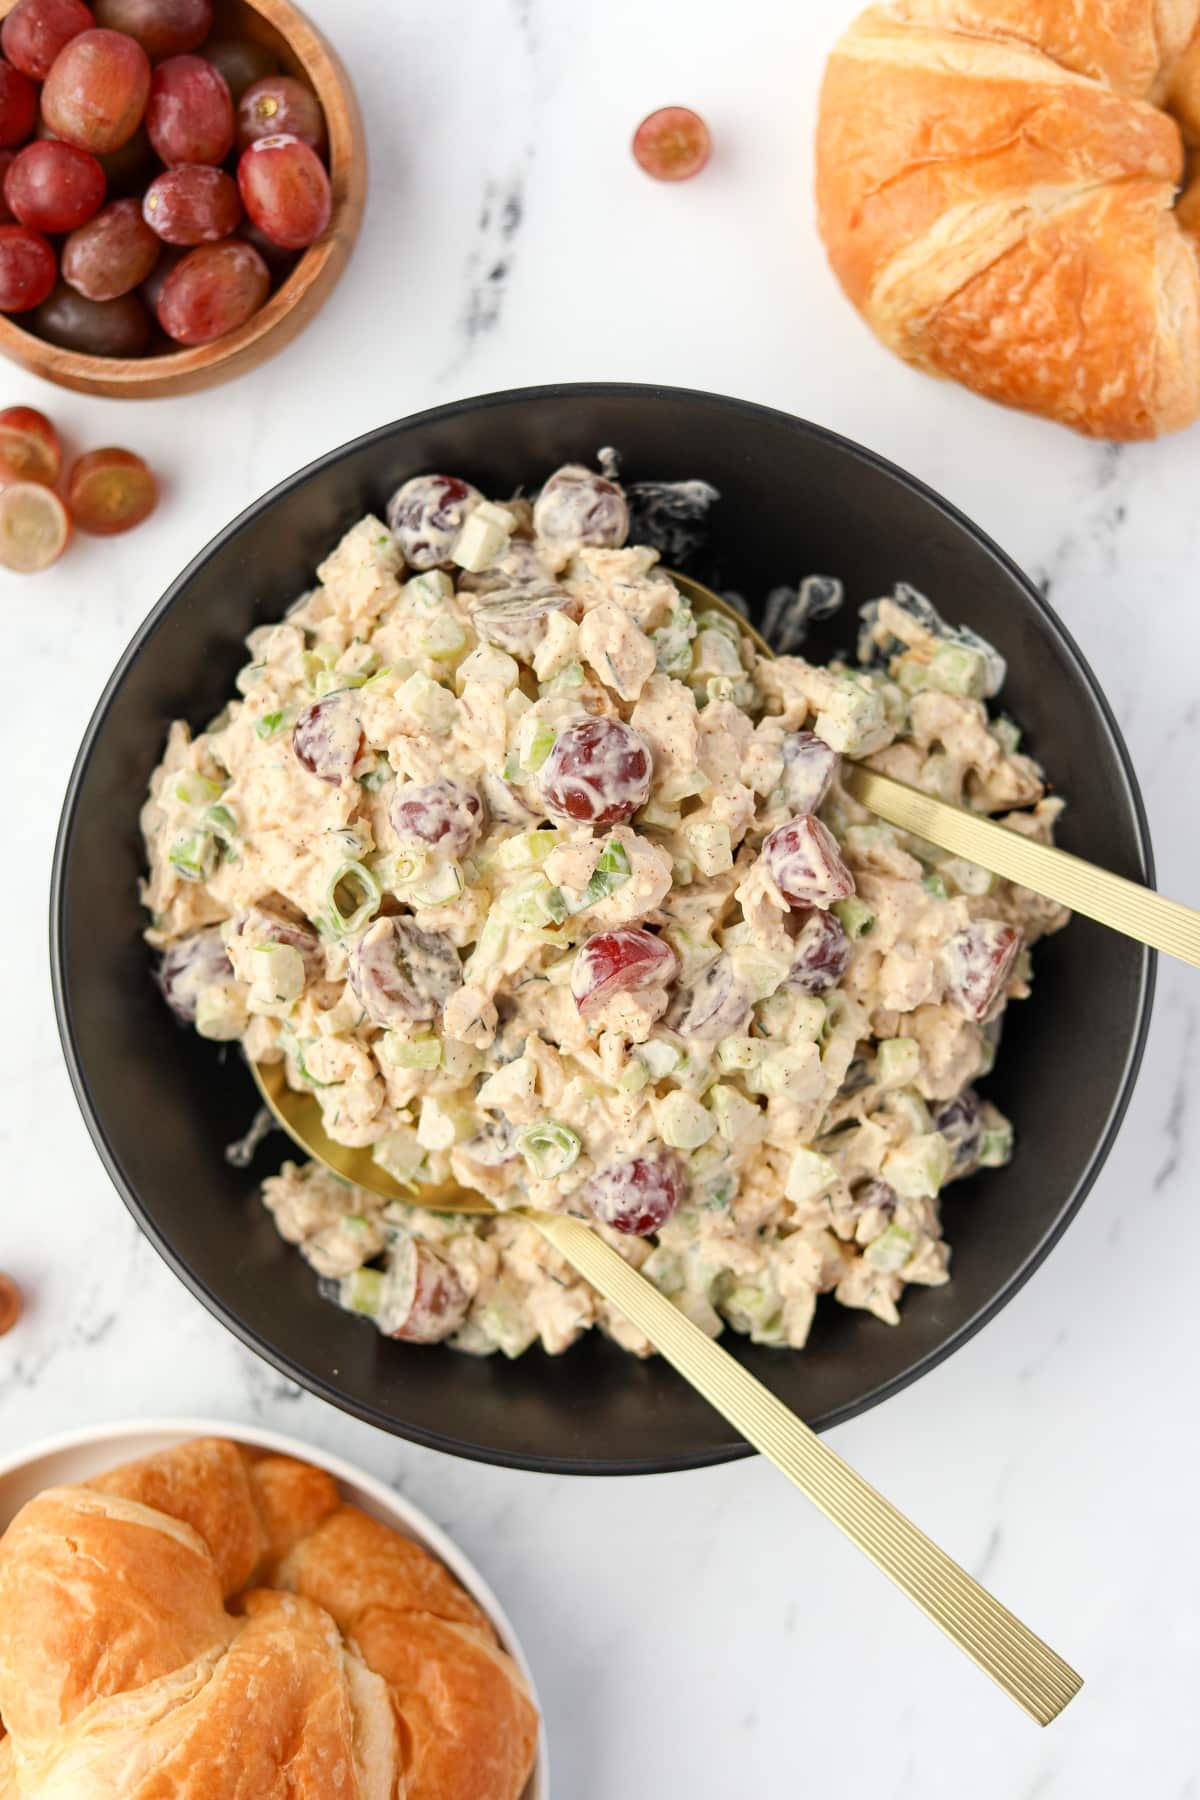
[(162, 1104)]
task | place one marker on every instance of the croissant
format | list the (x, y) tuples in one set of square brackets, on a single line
[(996, 186), (206, 1625)]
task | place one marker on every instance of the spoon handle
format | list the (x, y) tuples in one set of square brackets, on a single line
[(1026, 1668), (1125, 906)]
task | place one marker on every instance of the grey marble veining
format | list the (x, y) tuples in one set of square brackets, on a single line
[(707, 1633)]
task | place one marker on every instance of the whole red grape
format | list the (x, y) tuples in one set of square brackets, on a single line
[(161, 27), (93, 327), (285, 190), (190, 114), (214, 290), (192, 205), (36, 30), (280, 262), (96, 93), (112, 254), (53, 186), (29, 446), (241, 61), (445, 812), (130, 169), (18, 105), (109, 491), (28, 268), (597, 773), (672, 144), (6, 157), (280, 103)]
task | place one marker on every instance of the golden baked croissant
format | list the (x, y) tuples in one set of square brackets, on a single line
[(358, 1669), (996, 186)]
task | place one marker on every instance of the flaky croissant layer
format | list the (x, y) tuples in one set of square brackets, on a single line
[(996, 189)]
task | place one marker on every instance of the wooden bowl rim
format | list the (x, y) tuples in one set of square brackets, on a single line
[(72, 368)]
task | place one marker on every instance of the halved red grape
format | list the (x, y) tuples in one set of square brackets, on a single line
[(426, 516), (625, 961), (977, 963), (281, 103), (672, 144), (637, 1196), (28, 268), (400, 972), (54, 187), (241, 61), (212, 291), (189, 117), (34, 527), (112, 254), (6, 160), (516, 622), (716, 1005), (29, 446), (961, 1124), (577, 506), (809, 766), (109, 491), (327, 737), (18, 105), (192, 205), (129, 169), (285, 190), (597, 773), (822, 955), (95, 94), (444, 812), (191, 964), (93, 327), (422, 1300), (161, 27), (36, 30), (804, 862)]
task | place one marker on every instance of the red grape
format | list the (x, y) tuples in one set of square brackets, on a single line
[(620, 962), (423, 1300), (672, 144), (96, 93), (212, 291), (578, 507), (597, 773), (190, 114), (28, 268), (154, 283), (437, 812), (516, 622), (54, 187), (327, 738), (36, 30), (241, 61), (636, 1196), (400, 972), (29, 446), (34, 527), (161, 27), (809, 766), (94, 327), (280, 103), (280, 262), (129, 169), (426, 516), (285, 190), (18, 105), (109, 491), (192, 205), (961, 1124), (822, 955), (11, 1304), (717, 1004), (804, 862), (977, 963), (6, 160), (112, 254), (190, 964)]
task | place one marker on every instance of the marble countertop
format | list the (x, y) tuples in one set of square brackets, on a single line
[(708, 1633)]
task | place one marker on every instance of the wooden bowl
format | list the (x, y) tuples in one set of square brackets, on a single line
[(302, 50)]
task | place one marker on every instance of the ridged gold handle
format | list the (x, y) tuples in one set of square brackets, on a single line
[(1026, 1668), (1124, 906)]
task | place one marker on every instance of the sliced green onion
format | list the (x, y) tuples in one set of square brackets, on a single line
[(439, 887), (222, 820), (272, 723), (352, 898), (194, 855), (549, 1148), (611, 872), (540, 744), (197, 790), (379, 776), (935, 886), (995, 1146)]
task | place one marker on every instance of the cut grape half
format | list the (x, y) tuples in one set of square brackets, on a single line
[(672, 144), (29, 446), (35, 527), (109, 491)]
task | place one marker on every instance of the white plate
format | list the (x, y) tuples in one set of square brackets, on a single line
[(77, 1455)]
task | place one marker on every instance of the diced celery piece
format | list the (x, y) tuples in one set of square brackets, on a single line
[(810, 1176), (550, 1148), (194, 855), (361, 1292), (664, 1268), (442, 639), (430, 590), (1007, 734), (633, 1077), (535, 742), (659, 1057), (957, 669), (507, 1324), (526, 850), (897, 1062), (413, 1053), (711, 847), (810, 1016), (660, 817), (222, 820), (699, 1309), (673, 643), (351, 899), (719, 621), (250, 676), (400, 1154), (444, 1121), (935, 886), (533, 902), (738, 1119), (739, 1052), (787, 1069), (852, 717), (760, 971), (443, 884), (683, 1122), (567, 681), (890, 1250), (753, 1310), (854, 916), (940, 777), (197, 790), (917, 1169), (433, 705), (996, 1146), (489, 948), (908, 1105)]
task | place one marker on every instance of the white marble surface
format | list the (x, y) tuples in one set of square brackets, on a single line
[(703, 1634)]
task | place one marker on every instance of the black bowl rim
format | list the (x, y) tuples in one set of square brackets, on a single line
[(326, 1390)]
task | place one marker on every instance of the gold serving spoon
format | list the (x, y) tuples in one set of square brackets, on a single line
[(1125, 906)]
